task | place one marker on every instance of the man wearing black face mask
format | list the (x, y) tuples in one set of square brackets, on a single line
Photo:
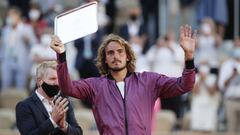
[(38, 115), (133, 28)]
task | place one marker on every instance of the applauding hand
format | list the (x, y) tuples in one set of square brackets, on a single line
[(59, 109)]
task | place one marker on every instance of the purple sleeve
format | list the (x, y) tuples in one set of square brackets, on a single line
[(170, 87), (81, 89)]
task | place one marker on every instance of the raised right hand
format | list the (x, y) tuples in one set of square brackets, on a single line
[(59, 109), (57, 45), (188, 40)]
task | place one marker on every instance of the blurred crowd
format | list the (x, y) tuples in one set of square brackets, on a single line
[(151, 27)]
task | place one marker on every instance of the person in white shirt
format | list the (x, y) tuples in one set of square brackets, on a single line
[(205, 101), (17, 40), (165, 57), (39, 53), (229, 83), (207, 47)]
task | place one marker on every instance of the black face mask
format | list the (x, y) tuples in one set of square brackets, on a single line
[(50, 90), (133, 17)]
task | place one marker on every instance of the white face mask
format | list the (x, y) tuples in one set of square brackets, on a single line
[(211, 80), (206, 28), (46, 39), (34, 14), (204, 69)]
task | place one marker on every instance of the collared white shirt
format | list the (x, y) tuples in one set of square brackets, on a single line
[(47, 106)]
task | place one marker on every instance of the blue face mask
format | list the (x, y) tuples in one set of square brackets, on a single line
[(50, 90)]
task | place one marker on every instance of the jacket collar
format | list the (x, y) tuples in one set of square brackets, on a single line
[(39, 104), (109, 76)]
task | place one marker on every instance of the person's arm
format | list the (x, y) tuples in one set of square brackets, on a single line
[(79, 89), (230, 79), (170, 86), (26, 122)]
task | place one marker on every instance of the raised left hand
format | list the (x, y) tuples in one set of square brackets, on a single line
[(188, 41)]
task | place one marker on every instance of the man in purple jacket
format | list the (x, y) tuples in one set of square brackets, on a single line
[(122, 100)]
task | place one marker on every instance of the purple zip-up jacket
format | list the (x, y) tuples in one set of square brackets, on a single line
[(132, 114)]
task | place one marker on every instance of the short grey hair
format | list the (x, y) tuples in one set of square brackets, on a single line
[(42, 68)]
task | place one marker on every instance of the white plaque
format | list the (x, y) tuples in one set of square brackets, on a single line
[(76, 23)]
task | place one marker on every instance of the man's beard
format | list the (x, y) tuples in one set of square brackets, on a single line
[(117, 69)]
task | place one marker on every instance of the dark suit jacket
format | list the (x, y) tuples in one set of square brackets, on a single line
[(79, 44), (33, 119)]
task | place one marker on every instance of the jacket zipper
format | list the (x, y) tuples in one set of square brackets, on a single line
[(124, 106)]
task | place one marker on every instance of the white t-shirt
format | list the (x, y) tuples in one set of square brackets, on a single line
[(120, 86)]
